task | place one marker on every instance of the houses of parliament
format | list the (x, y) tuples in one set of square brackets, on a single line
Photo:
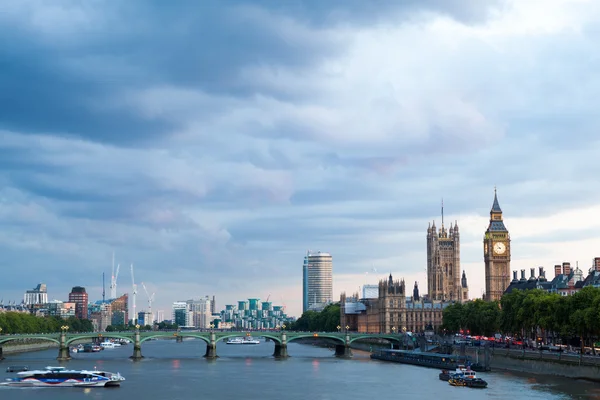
[(394, 310)]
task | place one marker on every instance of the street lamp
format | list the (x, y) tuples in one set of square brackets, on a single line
[(0, 331), (64, 328), (347, 327), (283, 326), (277, 327), (339, 328), (137, 327), (211, 326), (394, 330)]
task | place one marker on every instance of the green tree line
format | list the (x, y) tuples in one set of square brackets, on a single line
[(530, 314), (324, 321), (19, 323)]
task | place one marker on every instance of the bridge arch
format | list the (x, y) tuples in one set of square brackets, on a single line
[(98, 335), (176, 335), (318, 336), (48, 338), (391, 338)]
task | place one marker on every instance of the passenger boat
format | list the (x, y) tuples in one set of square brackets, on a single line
[(61, 377), (460, 372), (239, 340), (423, 359), (109, 345)]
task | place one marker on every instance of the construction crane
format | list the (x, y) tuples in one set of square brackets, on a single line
[(283, 303), (113, 279), (150, 300), (268, 297), (134, 288)]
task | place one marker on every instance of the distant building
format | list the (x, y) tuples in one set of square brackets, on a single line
[(61, 309), (199, 313), (160, 316), (496, 254), (392, 311), (179, 314), (317, 281), (120, 310), (100, 314), (145, 318), (252, 314), (443, 263), (39, 295), (567, 281), (79, 296), (370, 291)]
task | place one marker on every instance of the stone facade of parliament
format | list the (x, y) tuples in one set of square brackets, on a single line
[(394, 310)]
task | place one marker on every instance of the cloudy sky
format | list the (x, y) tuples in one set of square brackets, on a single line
[(211, 144)]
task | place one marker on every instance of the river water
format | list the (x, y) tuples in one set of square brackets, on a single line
[(177, 371)]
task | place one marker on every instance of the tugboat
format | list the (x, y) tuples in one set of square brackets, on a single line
[(476, 383), (460, 372), (463, 376)]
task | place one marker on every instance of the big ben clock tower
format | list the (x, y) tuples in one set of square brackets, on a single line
[(496, 254)]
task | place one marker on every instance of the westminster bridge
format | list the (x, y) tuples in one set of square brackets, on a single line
[(281, 338)]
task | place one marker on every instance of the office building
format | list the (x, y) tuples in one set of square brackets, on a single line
[(79, 296), (317, 282), (38, 295)]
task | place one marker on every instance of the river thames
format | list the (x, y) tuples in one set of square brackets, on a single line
[(177, 371)]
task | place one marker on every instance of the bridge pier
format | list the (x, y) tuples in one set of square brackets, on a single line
[(211, 347), (137, 347), (281, 348), (63, 349), (1, 356), (179, 339), (341, 350)]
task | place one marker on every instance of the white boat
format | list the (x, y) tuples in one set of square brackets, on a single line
[(245, 340), (61, 377), (109, 345)]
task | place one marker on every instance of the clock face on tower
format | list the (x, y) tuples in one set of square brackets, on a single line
[(499, 248)]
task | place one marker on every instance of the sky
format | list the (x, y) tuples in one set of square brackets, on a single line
[(213, 144)]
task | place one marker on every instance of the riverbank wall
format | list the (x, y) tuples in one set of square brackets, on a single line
[(12, 348), (541, 363), (24, 346), (363, 345)]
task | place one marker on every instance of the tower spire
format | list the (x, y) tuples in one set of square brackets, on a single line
[(496, 205), (442, 213)]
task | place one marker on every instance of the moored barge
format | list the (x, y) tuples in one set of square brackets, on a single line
[(423, 359)]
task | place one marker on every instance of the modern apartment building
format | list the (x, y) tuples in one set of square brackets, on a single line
[(317, 281), (79, 296)]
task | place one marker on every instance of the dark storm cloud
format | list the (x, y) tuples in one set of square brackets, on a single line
[(66, 86), (208, 140)]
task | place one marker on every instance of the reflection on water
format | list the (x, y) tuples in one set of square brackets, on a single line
[(176, 371)]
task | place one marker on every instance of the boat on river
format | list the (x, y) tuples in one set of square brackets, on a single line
[(109, 345), (476, 383), (245, 340), (62, 377), (460, 372), (423, 359)]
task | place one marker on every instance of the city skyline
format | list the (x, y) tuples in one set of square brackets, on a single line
[(212, 146)]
